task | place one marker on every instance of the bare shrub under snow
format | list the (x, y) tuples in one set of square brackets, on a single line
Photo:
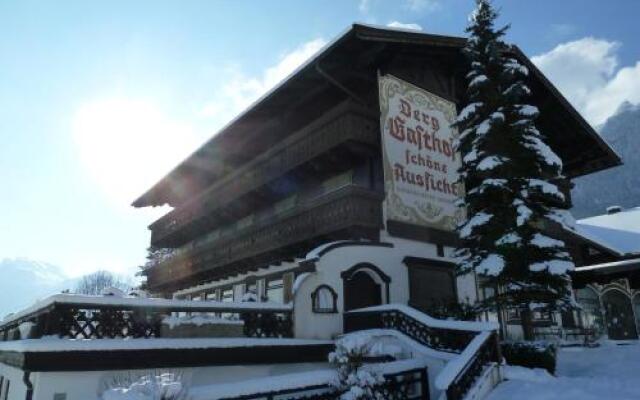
[(163, 386)]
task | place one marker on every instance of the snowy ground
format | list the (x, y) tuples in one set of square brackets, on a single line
[(607, 372)]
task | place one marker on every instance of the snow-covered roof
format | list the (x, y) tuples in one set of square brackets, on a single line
[(619, 232), (355, 44)]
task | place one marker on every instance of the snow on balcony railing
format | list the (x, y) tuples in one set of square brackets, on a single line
[(79, 316)]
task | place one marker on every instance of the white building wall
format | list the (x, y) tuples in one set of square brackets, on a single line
[(389, 260), (89, 385), (17, 388)]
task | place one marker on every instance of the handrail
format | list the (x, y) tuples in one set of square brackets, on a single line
[(475, 326), (441, 335), (482, 353), (475, 343), (460, 363)]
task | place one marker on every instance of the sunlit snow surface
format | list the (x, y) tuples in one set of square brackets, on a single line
[(607, 372)]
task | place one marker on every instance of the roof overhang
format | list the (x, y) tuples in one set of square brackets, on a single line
[(606, 273), (222, 152)]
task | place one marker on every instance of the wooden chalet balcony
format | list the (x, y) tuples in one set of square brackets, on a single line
[(349, 212), (321, 148)]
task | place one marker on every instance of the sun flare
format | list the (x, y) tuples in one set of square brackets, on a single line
[(126, 145)]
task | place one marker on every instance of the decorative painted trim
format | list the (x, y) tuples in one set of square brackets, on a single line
[(352, 243), (348, 275), (314, 294)]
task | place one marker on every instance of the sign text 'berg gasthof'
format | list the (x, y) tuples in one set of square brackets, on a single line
[(421, 166)]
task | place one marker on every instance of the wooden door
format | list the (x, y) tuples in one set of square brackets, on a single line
[(361, 291)]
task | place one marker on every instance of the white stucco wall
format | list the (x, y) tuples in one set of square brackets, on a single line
[(388, 259), (17, 389), (88, 385)]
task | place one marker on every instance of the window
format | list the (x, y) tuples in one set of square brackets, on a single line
[(212, 296), (275, 291), (543, 317), (432, 286), (227, 295), (324, 300), (252, 287), (238, 292), (251, 293)]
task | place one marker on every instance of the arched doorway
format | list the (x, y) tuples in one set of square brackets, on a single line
[(591, 313), (363, 286), (621, 324)]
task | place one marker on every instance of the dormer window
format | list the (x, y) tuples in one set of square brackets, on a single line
[(324, 300)]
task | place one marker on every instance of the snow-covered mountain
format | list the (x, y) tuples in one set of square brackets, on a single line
[(616, 186), (24, 281)]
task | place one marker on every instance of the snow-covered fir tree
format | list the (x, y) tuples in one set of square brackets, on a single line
[(508, 171)]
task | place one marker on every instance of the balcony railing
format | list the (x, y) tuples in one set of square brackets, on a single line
[(97, 317), (301, 147), (350, 207)]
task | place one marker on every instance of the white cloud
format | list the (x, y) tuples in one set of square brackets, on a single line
[(400, 25), (364, 6), (241, 90), (586, 71), (423, 5)]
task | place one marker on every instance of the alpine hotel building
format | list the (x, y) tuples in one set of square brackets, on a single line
[(336, 190), (333, 193)]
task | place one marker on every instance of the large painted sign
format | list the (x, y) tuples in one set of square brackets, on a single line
[(420, 165)]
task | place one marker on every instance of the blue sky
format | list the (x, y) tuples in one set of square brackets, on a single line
[(99, 99)]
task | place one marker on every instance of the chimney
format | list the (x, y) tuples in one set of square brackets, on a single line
[(614, 209)]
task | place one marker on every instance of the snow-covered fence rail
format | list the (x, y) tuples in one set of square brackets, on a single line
[(476, 343), (461, 373), (94, 317), (411, 384), (441, 335)]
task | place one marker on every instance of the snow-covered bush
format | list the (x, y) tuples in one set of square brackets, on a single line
[(164, 386), (355, 382), (530, 354)]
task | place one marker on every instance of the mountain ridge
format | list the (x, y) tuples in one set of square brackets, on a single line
[(620, 185)]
